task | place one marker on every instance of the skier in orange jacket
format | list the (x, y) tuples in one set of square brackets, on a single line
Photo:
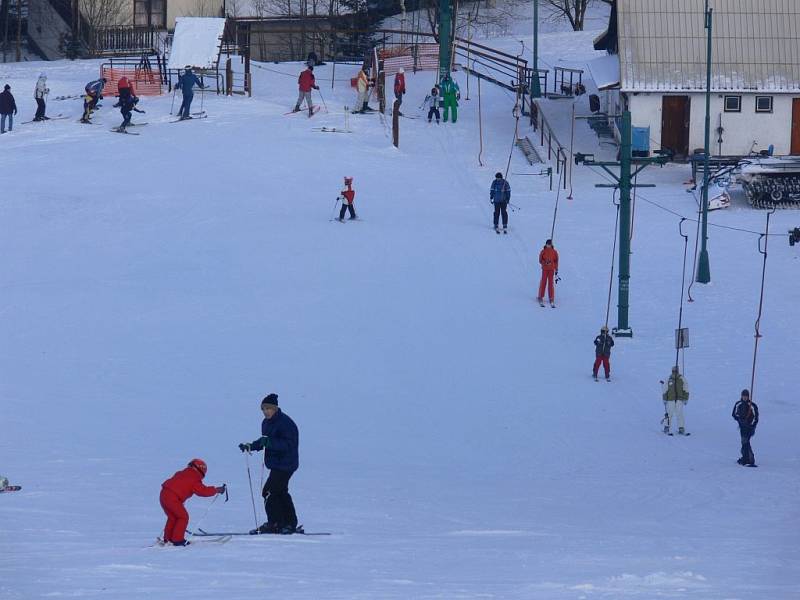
[(548, 259)]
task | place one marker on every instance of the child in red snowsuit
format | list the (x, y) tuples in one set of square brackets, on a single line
[(175, 491)]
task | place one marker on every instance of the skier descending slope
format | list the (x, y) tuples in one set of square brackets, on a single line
[(280, 442), (306, 82), (178, 489), (186, 84), (348, 196)]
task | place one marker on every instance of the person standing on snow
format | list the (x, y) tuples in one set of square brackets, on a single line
[(362, 86), (431, 102), (548, 259), (745, 413), (94, 93), (399, 88), (451, 95), (602, 353), (186, 83), (8, 108), (178, 489), (306, 82), (125, 88), (280, 442), (39, 92), (347, 196), (500, 195), (675, 395), (127, 104)]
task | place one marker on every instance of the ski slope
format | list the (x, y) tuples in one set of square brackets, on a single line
[(154, 288)]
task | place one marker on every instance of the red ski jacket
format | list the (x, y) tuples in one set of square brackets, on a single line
[(548, 258), (349, 196), (306, 81), (399, 84), (187, 482)]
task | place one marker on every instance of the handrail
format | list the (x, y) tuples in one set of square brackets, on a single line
[(554, 147)]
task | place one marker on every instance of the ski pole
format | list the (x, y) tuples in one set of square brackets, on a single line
[(250, 480), (203, 518), (321, 97), (333, 212), (172, 106)]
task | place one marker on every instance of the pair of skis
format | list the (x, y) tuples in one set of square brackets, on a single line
[(125, 129), (299, 531), (56, 118), (10, 488)]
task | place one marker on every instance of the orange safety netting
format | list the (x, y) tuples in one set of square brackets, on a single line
[(145, 82)]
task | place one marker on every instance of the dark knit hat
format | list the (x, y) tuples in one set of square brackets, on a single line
[(746, 392), (270, 400), (498, 175)]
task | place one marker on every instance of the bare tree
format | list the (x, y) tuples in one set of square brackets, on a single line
[(574, 11), (106, 13)]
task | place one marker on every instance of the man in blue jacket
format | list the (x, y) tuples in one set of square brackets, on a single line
[(500, 195), (280, 441), (186, 83)]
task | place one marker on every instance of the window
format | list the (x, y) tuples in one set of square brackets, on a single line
[(150, 13), (733, 104), (763, 104)]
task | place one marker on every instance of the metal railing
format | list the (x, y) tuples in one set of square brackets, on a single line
[(547, 139)]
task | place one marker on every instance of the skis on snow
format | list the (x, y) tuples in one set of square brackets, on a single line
[(202, 116), (298, 531), (10, 488)]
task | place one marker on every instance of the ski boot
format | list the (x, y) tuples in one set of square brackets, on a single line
[(505, 229), (296, 109), (540, 301), (496, 229), (681, 431), (666, 429), (265, 528)]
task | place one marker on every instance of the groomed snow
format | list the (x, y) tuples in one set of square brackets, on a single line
[(154, 288)]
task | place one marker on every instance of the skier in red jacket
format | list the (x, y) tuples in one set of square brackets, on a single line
[(548, 259), (399, 88), (306, 82), (178, 489)]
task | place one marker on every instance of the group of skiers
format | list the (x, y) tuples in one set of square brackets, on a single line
[(280, 441), (8, 105)]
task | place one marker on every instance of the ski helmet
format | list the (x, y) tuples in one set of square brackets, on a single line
[(200, 465), (604, 328), (348, 181), (401, 71)]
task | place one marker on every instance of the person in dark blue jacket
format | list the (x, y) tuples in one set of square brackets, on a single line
[(127, 104), (94, 93), (500, 195), (280, 441), (186, 83)]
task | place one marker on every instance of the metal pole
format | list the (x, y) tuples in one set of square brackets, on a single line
[(536, 90), (444, 37), (623, 329), (703, 266)]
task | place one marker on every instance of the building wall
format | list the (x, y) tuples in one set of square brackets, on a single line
[(47, 29), (741, 128), (192, 8)]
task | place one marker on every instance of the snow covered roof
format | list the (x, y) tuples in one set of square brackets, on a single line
[(605, 71), (662, 45), (196, 42)]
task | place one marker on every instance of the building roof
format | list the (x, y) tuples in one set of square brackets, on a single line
[(662, 45)]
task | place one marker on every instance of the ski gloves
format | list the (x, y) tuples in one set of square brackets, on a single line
[(264, 440), (222, 489)]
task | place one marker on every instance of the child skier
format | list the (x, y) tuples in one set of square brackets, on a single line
[(175, 491), (347, 195), (602, 352), (39, 94), (94, 93), (431, 102), (127, 104)]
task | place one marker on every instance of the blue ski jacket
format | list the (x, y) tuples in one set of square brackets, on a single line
[(500, 191), (187, 81), (280, 441)]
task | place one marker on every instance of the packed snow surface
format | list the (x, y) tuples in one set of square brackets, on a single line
[(154, 288)]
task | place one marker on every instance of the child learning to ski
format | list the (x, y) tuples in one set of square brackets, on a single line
[(347, 195), (178, 489)]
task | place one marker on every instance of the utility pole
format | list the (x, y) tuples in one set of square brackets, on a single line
[(536, 90), (445, 37), (703, 265), (623, 183)]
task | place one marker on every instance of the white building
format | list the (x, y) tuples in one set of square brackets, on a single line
[(660, 73)]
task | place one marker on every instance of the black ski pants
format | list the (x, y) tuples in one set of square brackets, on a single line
[(747, 431), (501, 207), (40, 107), (277, 500), (345, 208), (433, 111)]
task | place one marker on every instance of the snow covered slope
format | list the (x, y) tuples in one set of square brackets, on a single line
[(154, 288)]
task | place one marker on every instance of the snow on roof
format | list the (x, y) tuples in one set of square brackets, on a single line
[(605, 71), (196, 42), (662, 45)]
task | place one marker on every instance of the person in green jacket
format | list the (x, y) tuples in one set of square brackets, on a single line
[(450, 95), (675, 396)]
